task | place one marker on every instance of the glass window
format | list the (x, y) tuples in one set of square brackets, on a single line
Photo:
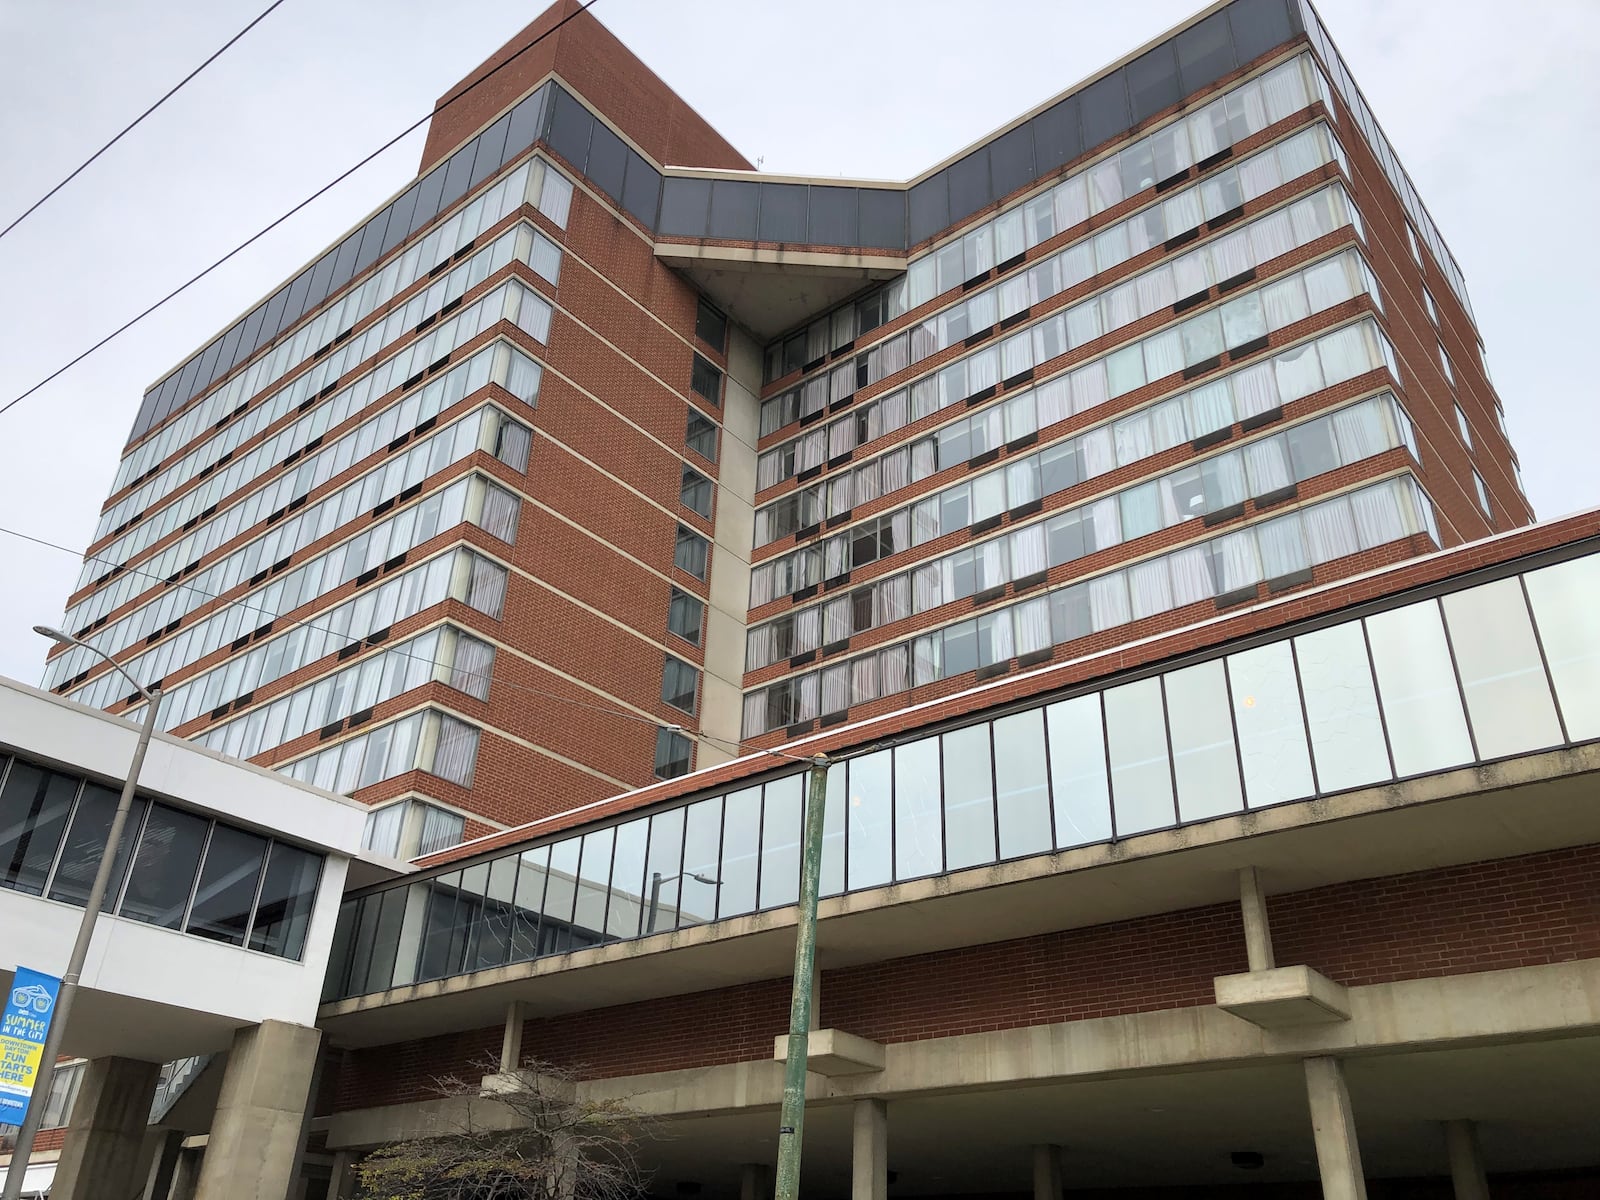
[(968, 798), (1203, 758), (33, 814), (1022, 793), (1502, 674), (164, 867), (679, 683), (1141, 775), (86, 838), (706, 380), (1079, 794), (741, 845), (626, 910), (689, 552), (701, 435), (695, 491), (560, 896), (685, 615), (533, 871), (870, 844), (783, 807), (663, 867), (1272, 736), (834, 818), (490, 943), (1417, 684), (917, 845), (710, 326), (699, 883), (1347, 739), (227, 891), (1563, 598), (674, 752), (283, 910), (594, 879)]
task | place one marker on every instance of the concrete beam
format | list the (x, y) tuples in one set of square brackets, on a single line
[(834, 1052), (1283, 997)]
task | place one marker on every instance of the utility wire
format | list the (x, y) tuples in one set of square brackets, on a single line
[(316, 195), (127, 129)]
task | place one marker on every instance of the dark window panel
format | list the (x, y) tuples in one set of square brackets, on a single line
[(208, 360), (270, 324), (284, 908), (344, 267), (710, 325), (832, 217), (883, 218), (672, 754), (783, 213), (400, 212), (169, 389), (428, 193), (491, 151), (34, 806), (230, 340), (86, 840), (1011, 160), (570, 126), (608, 161), (1104, 109), (189, 380), (734, 207), (372, 240), (1260, 25), (1057, 139), (227, 888), (706, 379), (1153, 82), (1205, 53), (641, 190), (969, 185), (293, 311), (685, 204), (456, 177), (928, 206), (527, 122), (164, 866), (321, 281)]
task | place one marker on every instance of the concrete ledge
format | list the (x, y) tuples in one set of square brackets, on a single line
[(508, 1083), (834, 1052), (1283, 998)]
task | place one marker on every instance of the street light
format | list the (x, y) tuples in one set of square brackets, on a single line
[(657, 879), (91, 913)]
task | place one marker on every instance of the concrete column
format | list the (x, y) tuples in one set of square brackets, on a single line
[(1047, 1173), (186, 1174), (511, 1038), (1466, 1160), (1333, 1125), (255, 1135), (869, 1169), (342, 1179), (169, 1146), (104, 1149), (1257, 934), (755, 1181)]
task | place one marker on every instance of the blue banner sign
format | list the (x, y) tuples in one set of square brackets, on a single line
[(23, 1025)]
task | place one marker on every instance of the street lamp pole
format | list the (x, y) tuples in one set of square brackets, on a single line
[(791, 1125), (91, 913)]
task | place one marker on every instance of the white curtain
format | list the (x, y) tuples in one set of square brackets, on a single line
[(992, 564), (1191, 575), (1328, 283), (1089, 386), (1231, 255), (893, 599), (864, 679), (925, 587), (1377, 515), (1298, 372), (1022, 482), (1054, 400), (1151, 587), (836, 689), (1235, 556), (1108, 601), (1361, 430), (456, 752), (1164, 352), (1283, 91), (1347, 352), (1167, 425), (1107, 524), (1272, 235), (1032, 625), (895, 469), (1267, 463), (1028, 551), (1255, 389), (1120, 306), (1191, 273), (893, 670), (1303, 152), (1283, 548), (761, 585), (1133, 439), (1183, 212), (1211, 407), (759, 648), (1285, 301), (807, 630), (836, 620), (1083, 324), (1259, 174)]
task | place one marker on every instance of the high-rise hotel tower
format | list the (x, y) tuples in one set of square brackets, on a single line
[(595, 454)]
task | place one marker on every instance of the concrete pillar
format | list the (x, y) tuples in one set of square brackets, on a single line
[(755, 1181), (169, 1146), (105, 1141), (255, 1135), (342, 1179), (1047, 1173), (186, 1173), (511, 1038), (869, 1167), (1257, 934), (1334, 1127), (1466, 1160)]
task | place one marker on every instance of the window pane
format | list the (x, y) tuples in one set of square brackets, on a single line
[(1141, 777), (164, 867), (1272, 735), (1563, 599), (33, 813), (594, 878), (1081, 799), (1341, 708), (661, 871), (86, 838), (869, 845), (917, 849), (560, 896), (783, 806), (741, 843), (968, 798), (700, 882), (1022, 794), (284, 910), (1508, 697), (1421, 706), (227, 888), (627, 880), (532, 876), (1202, 743)]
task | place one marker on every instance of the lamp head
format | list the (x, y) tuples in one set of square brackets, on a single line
[(55, 635)]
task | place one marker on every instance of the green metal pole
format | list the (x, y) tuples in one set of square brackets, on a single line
[(791, 1125)]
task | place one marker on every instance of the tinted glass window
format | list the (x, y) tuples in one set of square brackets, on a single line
[(684, 616), (783, 806), (1153, 82), (164, 867), (1022, 796), (710, 326), (641, 190), (1502, 674), (706, 380), (685, 204), (1563, 601), (34, 805), (1056, 137), (570, 125), (284, 909), (227, 889), (1104, 105), (1260, 25), (833, 216), (1417, 685), (1205, 53), (883, 218), (663, 871), (1272, 735), (1080, 797), (699, 883), (608, 160), (491, 153), (678, 683), (870, 846), (689, 554), (672, 754), (695, 491), (1203, 759), (969, 184), (783, 213), (734, 209), (1141, 776), (86, 838), (701, 435), (929, 207), (1011, 160), (741, 846)]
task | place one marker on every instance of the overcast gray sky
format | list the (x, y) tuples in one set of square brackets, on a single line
[(1494, 117)]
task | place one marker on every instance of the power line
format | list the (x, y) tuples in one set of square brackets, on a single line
[(316, 195), (79, 169)]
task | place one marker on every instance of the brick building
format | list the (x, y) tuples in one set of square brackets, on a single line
[(1123, 503)]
